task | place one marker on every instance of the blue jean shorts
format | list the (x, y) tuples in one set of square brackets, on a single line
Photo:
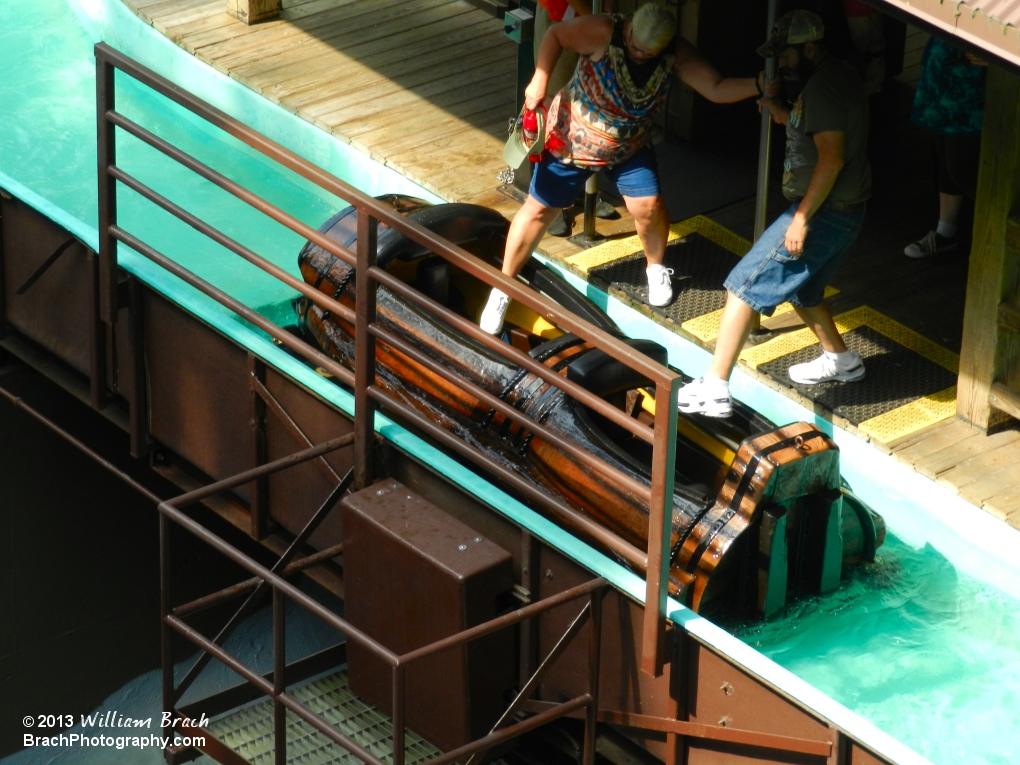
[(769, 275), (557, 184)]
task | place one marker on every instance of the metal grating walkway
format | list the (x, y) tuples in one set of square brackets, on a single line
[(248, 731)]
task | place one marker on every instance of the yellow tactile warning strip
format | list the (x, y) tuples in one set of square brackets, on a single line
[(912, 416), (622, 248), (706, 328), (888, 426), (865, 316)]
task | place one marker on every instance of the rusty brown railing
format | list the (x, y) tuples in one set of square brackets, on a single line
[(171, 511), (653, 562)]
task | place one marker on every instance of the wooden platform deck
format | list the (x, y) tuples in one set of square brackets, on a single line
[(426, 87)]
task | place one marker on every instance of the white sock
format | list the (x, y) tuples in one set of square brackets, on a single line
[(495, 295), (843, 360), (716, 382), (948, 230)]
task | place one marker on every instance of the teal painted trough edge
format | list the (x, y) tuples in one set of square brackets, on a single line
[(113, 23)]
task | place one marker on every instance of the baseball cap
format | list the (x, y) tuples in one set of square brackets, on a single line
[(794, 28)]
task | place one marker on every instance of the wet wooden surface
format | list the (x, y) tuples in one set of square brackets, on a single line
[(426, 87)]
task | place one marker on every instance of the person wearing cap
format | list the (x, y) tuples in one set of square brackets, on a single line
[(827, 178), (602, 120)]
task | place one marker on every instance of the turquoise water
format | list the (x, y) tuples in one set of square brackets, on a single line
[(919, 649), (48, 126)]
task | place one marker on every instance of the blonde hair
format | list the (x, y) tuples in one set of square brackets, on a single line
[(653, 26)]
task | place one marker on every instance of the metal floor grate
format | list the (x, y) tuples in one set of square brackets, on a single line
[(249, 731)]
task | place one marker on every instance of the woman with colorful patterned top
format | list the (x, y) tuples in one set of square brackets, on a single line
[(602, 120)]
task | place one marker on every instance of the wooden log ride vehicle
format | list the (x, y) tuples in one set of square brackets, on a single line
[(759, 512)]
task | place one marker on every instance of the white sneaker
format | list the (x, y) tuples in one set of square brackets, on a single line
[(711, 399), (825, 369), (660, 285), (491, 320)]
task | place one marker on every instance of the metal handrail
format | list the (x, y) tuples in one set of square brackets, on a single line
[(367, 396), (172, 511)]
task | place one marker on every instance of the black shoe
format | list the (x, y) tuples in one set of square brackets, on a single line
[(560, 227), (605, 210), (932, 243)]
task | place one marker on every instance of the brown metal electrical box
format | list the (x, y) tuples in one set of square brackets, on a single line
[(413, 575)]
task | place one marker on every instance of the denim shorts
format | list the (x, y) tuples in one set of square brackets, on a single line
[(557, 184), (768, 275)]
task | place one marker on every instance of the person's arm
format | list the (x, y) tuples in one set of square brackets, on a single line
[(695, 71), (830, 146), (581, 7), (586, 35)]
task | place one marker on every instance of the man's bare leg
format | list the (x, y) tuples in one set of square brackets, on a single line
[(734, 327), (819, 320)]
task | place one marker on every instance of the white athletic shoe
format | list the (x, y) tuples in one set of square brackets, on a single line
[(825, 369), (660, 285), (491, 320), (711, 399)]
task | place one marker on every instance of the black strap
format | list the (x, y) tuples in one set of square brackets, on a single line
[(742, 488)]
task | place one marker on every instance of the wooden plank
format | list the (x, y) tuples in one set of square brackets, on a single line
[(991, 484), (404, 109), (1006, 506), (998, 181), (321, 97), (150, 9), (960, 432), (425, 116), (299, 78), (170, 23), (983, 465), (939, 462), (313, 53), (353, 21), (928, 433), (483, 137)]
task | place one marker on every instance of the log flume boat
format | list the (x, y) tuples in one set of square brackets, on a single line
[(760, 514)]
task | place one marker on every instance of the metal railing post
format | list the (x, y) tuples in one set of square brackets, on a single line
[(364, 351), (106, 156), (166, 609), (399, 678), (761, 201), (594, 667), (660, 525), (279, 676)]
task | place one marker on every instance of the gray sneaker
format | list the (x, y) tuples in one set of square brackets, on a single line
[(559, 227), (932, 243), (825, 369)]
